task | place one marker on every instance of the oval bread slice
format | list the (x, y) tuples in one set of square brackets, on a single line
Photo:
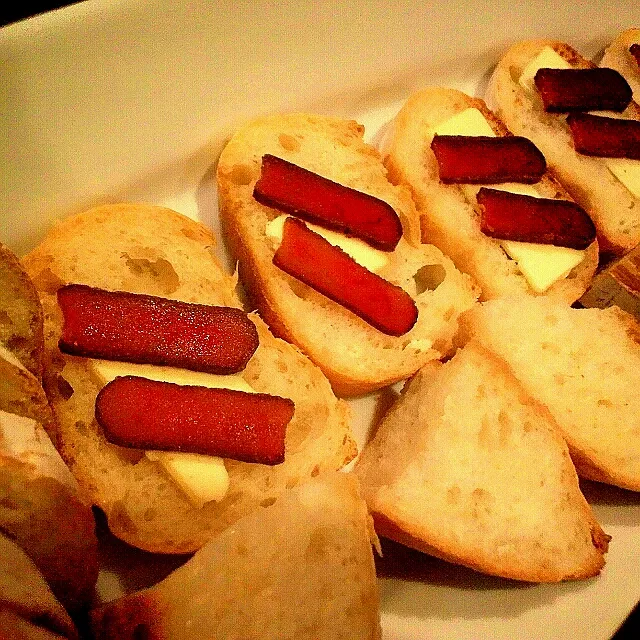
[(356, 357), (147, 249)]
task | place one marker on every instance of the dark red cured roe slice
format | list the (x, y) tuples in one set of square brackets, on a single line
[(116, 325), (488, 160), (607, 137), (307, 256), (147, 414), (512, 216), (304, 194), (634, 50), (582, 89)]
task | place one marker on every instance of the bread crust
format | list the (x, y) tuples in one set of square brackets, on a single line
[(355, 357), (146, 249), (613, 208), (617, 56), (448, 220)]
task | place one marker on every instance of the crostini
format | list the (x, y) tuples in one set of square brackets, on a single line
[(300, 197), (452, 151), (143, 271), (522, 91)]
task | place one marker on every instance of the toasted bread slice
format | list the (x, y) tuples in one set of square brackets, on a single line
[(614, 209), (584, 365), (449, 216), (147, 249), (617, 56), (21, 323), (41, 506), (28, 608), (300, 568), (355, 356), (467, 467)]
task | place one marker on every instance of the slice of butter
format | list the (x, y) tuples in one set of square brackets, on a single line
[(360, 251), (540, 264), (625, 170), (202, 478)]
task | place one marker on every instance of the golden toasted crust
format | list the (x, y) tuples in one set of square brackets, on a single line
[(613, 208), (355, 357), (147, 249), (448, 219), (467, 467)]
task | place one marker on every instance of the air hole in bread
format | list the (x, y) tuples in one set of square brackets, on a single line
[(158, 272), (429, 277), (64, 388), (267, 502), (289, 142), (242, 174)]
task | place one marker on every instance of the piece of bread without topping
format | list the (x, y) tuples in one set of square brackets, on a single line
[(299, 568), (28, 608), (617, 56), (41, 506), (613, 208), (467, 467), (147, 249), (584, 365), (21, 314), (356, 357), (448, 219)]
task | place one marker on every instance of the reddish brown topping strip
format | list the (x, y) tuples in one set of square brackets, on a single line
[(147, 414), (487, 160), (511, 216), (582, 89), (138, 616), (307, 256), (304, 194), (116, 325), (634, 50), (606, 137)]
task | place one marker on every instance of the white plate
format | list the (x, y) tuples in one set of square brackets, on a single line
[(104, 101)]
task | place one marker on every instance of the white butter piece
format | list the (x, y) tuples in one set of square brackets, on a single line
[(546, 59), (202, 478), (625, 170), (360, 251), (540, 264)]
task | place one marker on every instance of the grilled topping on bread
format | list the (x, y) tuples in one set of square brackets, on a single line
[(487, 159), (117, 325), (307, 195), (147, 414), (565, 90), (596, 135), (512, 216), (308, 257)]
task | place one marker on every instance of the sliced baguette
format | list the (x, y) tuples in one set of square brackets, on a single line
[(300, 568), (584, 365), (21, 322), (448, 219), (41, 506), (467, 467), (146, 249), (617, 56), (355, 357), (613, 208)]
